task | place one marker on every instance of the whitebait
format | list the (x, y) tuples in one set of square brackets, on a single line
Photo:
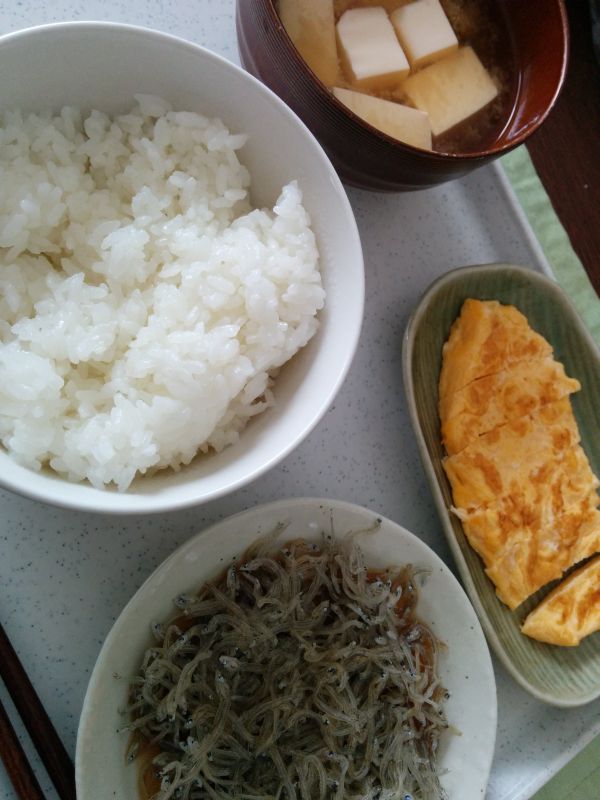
[(297, 675)]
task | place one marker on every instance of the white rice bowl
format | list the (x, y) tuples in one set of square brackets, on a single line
[(104, 65), (143, 302)]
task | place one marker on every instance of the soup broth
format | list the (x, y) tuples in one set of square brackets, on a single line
[(480, 24)]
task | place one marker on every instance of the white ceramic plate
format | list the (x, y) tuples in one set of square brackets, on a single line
[(465, 667)]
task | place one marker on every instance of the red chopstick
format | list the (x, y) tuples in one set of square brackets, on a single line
[(14, 758), (43, 734)]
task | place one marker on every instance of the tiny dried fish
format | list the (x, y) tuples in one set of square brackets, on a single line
[(297, 675)]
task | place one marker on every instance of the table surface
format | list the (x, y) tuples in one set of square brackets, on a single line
[(565, 149), (63, 564)]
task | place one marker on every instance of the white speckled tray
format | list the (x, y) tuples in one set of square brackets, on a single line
[(66, 576)]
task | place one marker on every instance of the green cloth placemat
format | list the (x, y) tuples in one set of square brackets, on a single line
[(580, 778), (553, 238)]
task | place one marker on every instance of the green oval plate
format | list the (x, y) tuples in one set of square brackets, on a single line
[(561, 676)]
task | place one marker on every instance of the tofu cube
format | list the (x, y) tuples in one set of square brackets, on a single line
[(451, 90), (424, 32), (310, 24), (369, 48), (406, 124)]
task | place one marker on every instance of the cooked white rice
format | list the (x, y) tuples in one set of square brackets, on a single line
[(143, 302)]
